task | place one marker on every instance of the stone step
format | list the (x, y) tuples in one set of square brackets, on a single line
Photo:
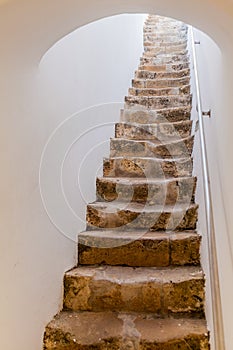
[(162, 291), (164, 52), (158, 102), (151, 51), (165, 39), (150, 249), (160, 82), (139, 216), (165, 28), (163, 60), (170, 68), (162, 20), (147, 74), (149, 191), (147, 167), (169, 35), (162, 132), (160, 34), (173, 47), (112, 331), (146, 148), (161, 23), (169, 40), (182, 90), (142, 115)]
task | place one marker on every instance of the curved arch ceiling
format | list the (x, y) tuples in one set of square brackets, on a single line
[(33, 26)]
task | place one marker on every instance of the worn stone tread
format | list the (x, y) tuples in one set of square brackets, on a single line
[(114, 331), (138, 289), (172, 91), (181, 148), (140, 216), (138, 248), (156, 168), (160, 83), (164, 60), (147, 74), (161, 132), (143, 190), (142, 115)]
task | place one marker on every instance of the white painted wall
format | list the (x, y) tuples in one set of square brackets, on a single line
[(88, 71), (92, 66)]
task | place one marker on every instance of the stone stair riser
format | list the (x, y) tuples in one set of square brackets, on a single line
[(161, 36), (147, 167), (131, 148), (152, 51), (159, 193), (184, 90), (171, 47), (161, 132), (157, 102), (166, 59), (141, 115), (144, 74), (138, 249), (172, 68), (97, 291), (160, 83), (131, 219), (159, 40), (114, 331)]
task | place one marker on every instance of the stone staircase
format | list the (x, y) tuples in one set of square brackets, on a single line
[(139, 284)]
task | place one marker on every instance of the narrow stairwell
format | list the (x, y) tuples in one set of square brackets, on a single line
[(139, 283)]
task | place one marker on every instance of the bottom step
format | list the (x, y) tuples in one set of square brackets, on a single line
[(113, 331)]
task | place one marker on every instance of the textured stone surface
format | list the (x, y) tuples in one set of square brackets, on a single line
[(184, 249), (138, 216), (134, 249), (146, 116), (160, 42), (164, 50), (160, 83), (139, 248), (147, 167), (150, 42), (114, 331), (161, 132), (147, 74), (164, 59), (152, 192), (159, 102), (160, 91), (139, 289), (165, 67), (147, 148)]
